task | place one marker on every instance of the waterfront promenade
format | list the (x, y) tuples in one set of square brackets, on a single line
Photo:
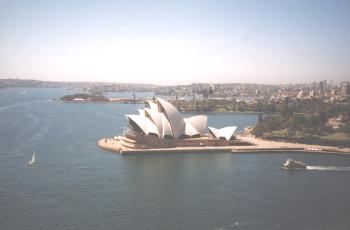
[(114, 145), (260, 145), (257, 146)]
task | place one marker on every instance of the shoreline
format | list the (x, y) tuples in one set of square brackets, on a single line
[(97, 102), (226, 112), (261, 145), (114, 146), (258, 146)]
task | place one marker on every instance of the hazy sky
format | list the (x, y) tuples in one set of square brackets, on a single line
[(174, 42)]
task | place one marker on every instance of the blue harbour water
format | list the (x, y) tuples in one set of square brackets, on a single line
[(76, 185)]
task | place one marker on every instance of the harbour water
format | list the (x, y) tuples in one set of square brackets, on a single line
[(77, 185)]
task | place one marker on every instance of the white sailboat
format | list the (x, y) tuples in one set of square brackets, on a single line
[(33, 160)]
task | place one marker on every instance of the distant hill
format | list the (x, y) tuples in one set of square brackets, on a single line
[(91, 86)]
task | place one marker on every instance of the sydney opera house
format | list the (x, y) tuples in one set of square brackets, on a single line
[(161, 125)]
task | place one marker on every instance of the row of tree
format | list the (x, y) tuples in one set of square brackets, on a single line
[(285, 107), (312, 122)]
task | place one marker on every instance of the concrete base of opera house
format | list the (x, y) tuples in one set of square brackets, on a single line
[(114, 145), (149, 144)]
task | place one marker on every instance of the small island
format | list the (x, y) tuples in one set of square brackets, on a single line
[(84, 97)]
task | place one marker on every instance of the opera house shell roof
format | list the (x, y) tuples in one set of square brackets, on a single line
[(162, 119)]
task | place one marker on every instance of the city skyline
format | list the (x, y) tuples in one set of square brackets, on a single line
[(171, 43)]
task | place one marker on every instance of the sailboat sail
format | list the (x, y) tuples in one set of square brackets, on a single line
[(33, 159)]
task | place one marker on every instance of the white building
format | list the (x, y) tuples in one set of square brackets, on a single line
[(161, 119)]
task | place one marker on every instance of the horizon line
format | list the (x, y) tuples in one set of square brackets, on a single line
[(157, 84)]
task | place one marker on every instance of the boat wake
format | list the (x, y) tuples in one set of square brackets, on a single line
[(327, 168)]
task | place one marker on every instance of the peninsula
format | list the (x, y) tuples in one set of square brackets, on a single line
[(160, 128)]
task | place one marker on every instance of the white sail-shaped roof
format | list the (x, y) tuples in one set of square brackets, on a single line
[(198, 122), (226, 132), (189, 129), (163, 119), (153, 105), (145, 124), (166, 127), (141, 112), (173, 115), (156, 118), (214, 131)]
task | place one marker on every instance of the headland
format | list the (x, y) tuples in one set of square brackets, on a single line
[(161, 128)]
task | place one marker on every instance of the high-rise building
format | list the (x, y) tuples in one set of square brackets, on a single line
[(321, 87), (345, 88)]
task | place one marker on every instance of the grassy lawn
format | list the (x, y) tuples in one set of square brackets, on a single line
[(278, 133), (337, 137)]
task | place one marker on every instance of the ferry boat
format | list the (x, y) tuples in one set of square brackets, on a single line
[(292, 164)]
